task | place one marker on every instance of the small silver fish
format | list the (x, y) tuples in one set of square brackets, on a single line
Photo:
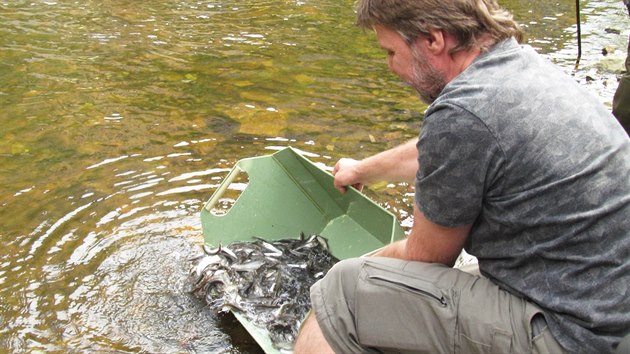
[(204, 263), (249, 266), (267, 281)]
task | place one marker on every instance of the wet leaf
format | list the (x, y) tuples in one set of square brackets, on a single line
[(171, 77), (18, 148), (379, 186), (257, 97), (242, 83), (86, 107), (303, 79)]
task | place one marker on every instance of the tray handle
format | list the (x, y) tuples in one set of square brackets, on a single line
[(222, 188)]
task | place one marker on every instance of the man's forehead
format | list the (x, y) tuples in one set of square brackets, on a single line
[(389, 39), (385, 35)]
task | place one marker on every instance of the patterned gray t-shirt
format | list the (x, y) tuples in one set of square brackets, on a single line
[(542, 171)]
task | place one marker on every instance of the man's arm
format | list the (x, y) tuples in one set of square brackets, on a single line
[(397, 164), (428, 242)]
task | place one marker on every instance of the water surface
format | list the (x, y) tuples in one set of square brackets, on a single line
[(120, 118)]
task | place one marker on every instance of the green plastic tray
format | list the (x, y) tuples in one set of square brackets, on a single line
[(286, 195)]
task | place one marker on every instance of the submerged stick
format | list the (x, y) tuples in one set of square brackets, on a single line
[(579, 33)]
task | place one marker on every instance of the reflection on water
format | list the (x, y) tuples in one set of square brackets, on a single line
[(120, 118)]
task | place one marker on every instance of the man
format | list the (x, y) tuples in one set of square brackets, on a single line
[(621, 100), (515, 163)]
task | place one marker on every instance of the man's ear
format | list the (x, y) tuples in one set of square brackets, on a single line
[(434, 42)]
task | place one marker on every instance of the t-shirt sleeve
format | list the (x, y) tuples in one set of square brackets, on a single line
[(459, 161)]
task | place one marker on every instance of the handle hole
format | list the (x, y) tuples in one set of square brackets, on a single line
[(231, 194)]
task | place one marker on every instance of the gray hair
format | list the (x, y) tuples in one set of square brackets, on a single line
[(467, 20)]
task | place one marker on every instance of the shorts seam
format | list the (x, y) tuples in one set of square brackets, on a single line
[(354, 310)]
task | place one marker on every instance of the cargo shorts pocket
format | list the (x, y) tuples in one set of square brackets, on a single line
[(543, 341), (498, 342), (402, 311)]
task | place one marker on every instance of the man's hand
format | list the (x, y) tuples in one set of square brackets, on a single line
[(347, 174), (393, 165)]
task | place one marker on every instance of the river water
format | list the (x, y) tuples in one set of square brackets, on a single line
[(120, 118)]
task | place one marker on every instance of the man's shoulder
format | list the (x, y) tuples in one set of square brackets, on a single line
[(494, 75)]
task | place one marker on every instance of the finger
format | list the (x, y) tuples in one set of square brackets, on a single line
[(336, 168), (340, 188)]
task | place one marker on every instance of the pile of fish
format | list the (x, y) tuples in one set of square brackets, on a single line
[(267, 281)]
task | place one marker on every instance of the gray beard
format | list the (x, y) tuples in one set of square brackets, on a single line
[(427, 80)]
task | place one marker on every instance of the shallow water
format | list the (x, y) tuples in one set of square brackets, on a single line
[(120, 118)]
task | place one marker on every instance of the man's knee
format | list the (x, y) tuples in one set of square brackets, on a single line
[(343, 276), (311, 338), (332, 300)]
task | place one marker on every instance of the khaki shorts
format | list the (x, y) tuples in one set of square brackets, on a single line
[(377, 304)]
